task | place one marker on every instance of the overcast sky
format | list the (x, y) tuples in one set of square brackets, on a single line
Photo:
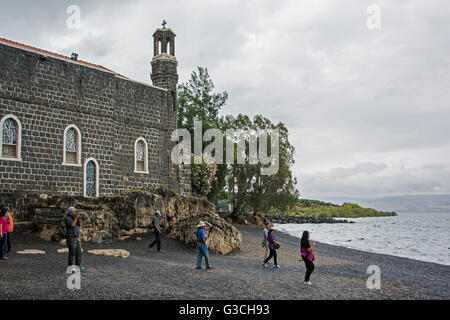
[(368, 110)]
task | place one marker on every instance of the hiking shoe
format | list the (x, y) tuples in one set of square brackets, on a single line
[(161, 251), (308, 283), (4, 258), (277, 266), (198, 268), (82, 269), (209, 267), (264, 265)]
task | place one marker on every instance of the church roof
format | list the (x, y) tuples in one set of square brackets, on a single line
[(58, 56)]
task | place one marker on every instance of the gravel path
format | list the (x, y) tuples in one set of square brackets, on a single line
[(340, 273)]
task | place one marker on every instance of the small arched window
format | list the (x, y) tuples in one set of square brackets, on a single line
[(10, 138), (72, 146), (141, 156), (91, 178)]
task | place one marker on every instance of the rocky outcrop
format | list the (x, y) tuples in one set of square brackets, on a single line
[(221, 236), (298, 219), (261, 220), (109, 218), (245, 219)]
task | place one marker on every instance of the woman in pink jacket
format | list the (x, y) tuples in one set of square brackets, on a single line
[(4, 228), (307, 253)]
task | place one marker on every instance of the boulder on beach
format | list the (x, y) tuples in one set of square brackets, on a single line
[(221, 236)]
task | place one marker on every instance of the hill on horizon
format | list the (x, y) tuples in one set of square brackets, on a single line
[(400, 203)]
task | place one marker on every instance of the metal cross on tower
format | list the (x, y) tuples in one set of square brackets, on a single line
[(164, 24)]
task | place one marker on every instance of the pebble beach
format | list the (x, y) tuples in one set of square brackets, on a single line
[(340, 273)]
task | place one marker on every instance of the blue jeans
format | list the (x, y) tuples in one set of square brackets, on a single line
[(202, 251), (3, 245)]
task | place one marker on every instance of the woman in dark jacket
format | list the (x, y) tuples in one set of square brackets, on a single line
[(307, 253), (273, 246)]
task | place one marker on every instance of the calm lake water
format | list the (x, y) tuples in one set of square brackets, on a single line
[(420, 236)]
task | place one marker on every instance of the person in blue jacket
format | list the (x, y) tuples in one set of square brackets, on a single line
[(202, 247)]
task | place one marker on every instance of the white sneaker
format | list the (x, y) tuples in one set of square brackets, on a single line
[(71, 269), (308, 283), (264, 265), (277, 266)]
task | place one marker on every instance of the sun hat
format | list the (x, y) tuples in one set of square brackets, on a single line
[(71, 209), (201, 224), (157, 212)]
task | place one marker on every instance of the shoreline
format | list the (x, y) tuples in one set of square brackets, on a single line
[(367, 251), (341, 273)]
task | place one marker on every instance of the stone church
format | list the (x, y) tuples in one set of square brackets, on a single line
[(69, 127)]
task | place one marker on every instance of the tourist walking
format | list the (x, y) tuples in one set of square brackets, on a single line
[(273, 246), (158, 232), (4, 227), (202, 247), (73, 224), (10, 229), (307, 253), (265, 241)]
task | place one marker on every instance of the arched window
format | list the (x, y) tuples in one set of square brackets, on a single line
[(72, 146), (140, 156), (91, 177), (10, 138)]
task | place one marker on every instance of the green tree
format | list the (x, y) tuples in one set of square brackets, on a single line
[(245, 181), (197, 101)]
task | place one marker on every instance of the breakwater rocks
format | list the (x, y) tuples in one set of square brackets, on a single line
[(297, 219), (118, 217)]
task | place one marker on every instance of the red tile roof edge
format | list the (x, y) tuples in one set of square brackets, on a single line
[(56, 55)]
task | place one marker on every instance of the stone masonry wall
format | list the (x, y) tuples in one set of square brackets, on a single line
[(47, 94)]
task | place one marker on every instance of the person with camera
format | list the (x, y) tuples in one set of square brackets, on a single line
[(73, 224), (273, 246)]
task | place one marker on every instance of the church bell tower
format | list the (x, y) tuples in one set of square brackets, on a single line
[(164, 63), (164, 75)]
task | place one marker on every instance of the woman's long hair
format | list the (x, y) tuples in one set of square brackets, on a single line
[(304, 243)]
